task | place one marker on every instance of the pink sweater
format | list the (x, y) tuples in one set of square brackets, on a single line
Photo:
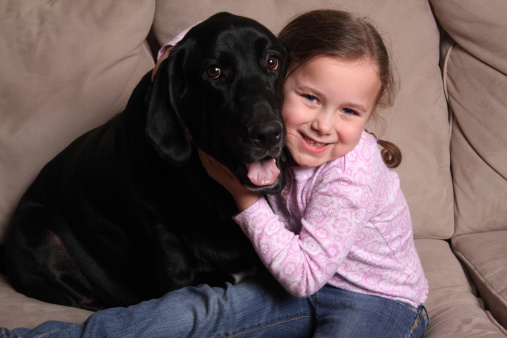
[(345, 223)]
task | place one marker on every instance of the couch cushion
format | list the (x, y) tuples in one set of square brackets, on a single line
[(417, 122), (487, 268), (454, 309), (18, 310), (477, 93), (67, 66)]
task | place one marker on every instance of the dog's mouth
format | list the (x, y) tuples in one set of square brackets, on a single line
[(263, 173)]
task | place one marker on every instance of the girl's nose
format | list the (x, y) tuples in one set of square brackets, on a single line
[(322, 123)]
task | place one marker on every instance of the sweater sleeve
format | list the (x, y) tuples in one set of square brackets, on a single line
[(174, 41), (302, 263)]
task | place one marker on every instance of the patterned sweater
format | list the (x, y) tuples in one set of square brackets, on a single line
[(345, 223)]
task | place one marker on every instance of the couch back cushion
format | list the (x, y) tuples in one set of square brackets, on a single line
[(476, 84), (66, 67), (418, 122)]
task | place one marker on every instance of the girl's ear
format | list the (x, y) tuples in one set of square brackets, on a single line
[(165, 129)]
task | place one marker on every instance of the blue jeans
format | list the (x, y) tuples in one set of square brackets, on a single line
[(256, 307)]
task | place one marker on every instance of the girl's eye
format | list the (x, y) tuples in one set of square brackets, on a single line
[(310, 98), (272, 63), (348, 111), (214, 72)]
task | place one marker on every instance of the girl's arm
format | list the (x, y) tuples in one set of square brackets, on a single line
[(302, 263)]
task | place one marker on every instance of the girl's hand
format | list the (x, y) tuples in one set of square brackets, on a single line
[(244, 198)]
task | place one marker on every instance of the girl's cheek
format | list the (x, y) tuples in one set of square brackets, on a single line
[(286, 115), (291, 114)]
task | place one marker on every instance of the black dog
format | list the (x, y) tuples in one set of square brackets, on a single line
[(127, 212)]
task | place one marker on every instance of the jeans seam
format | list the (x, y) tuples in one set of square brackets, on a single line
[(421, 312), (265, 325)]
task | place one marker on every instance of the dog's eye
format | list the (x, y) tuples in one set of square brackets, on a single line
[(214, 72), (272, 63)]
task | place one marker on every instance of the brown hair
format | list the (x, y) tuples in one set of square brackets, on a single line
[(341, 34)]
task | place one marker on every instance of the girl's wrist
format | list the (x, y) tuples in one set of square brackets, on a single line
[(246, 199)]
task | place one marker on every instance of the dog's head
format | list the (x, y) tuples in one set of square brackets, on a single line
[(222, 85)]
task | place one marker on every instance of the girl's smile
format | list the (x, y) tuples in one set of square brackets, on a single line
[(313, 146), (327, 102)]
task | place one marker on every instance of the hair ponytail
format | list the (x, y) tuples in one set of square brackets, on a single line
[(391, 154)]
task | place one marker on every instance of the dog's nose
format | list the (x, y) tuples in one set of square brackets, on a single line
[(266, 135)]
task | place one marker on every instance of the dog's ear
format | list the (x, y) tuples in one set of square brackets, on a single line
[(165, 128)]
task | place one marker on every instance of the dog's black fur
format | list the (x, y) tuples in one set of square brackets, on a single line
[(127, 212)]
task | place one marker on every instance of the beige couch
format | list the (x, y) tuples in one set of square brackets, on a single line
[(67, 66)]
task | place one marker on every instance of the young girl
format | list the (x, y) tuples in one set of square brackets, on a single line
[(339, 236), (342, 220)]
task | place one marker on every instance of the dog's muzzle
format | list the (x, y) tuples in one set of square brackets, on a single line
[(266, 137)]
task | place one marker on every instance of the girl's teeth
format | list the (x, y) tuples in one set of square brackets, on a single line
[(312, 142)]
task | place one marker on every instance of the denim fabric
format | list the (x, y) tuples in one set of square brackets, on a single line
[(341, 313), (257, 307)]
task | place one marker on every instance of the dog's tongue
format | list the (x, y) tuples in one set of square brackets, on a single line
[(263, 172)]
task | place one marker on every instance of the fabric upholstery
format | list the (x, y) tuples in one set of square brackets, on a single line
[(454, 309), (67, 66), (34, 311), (477, 86), (475, 71), (486, 267)]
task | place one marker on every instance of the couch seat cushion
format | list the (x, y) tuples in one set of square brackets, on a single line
[(17, 310), (484, 257), (454, 309)]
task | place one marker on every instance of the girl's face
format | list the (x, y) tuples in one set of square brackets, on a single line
[(327, 102)]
